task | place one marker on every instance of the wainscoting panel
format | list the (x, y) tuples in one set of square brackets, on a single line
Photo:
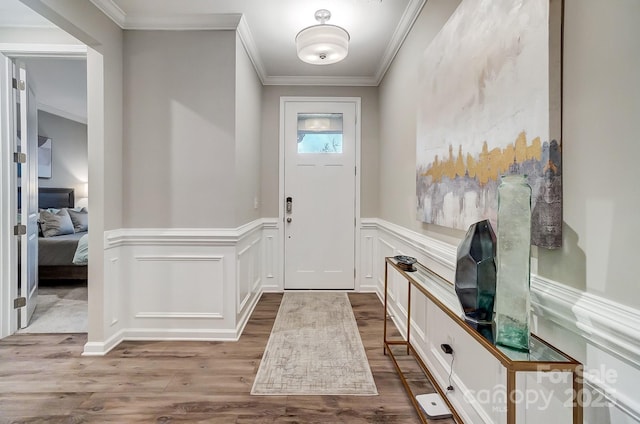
[(272, 282), (248, 272), (113, 310), (249, 275), (180, 284), (602, 334), (366, 265), (177, 287)]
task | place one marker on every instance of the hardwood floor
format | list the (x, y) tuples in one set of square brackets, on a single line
[(43, 379)]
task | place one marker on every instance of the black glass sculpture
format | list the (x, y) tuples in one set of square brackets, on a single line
[(475, 280)]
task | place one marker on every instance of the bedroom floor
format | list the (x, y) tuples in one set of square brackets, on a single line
[(62, 308)]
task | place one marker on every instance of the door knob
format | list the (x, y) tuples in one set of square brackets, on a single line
[(289, 219)]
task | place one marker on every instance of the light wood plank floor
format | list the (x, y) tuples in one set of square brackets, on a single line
[(43, 379)]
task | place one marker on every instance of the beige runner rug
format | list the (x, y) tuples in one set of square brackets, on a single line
[(314, 349)]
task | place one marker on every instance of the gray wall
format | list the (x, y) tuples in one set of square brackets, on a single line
[(600, 151), (179, 125), (398, 106), (270, 142), (104, 108), (601, 97), (69, 164), (248, 137), (36, 35)]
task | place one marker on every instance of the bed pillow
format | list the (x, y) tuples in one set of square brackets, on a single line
[(81, 257), (80, 219), (56, 224)]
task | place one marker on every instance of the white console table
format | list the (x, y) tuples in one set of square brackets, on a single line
[(542, 356)]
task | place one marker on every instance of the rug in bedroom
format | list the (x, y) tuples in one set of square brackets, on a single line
[(61, 309)]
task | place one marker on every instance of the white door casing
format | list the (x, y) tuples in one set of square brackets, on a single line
[(8, 200), (319, 231), (29, 200)]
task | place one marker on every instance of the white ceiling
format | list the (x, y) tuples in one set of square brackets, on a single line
[(60, 83), (15, 14), (268, 29)]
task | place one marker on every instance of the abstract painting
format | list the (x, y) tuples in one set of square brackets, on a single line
[(489, 105), (44, 157)]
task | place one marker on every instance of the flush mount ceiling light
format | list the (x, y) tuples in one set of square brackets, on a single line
[(322, 44)]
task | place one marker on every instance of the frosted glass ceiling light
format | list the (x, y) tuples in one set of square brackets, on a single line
[(322, 44)]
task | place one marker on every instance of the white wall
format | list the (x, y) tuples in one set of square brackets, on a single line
[(270, 141), (586, 294), (179, 109), (69, 152), (248, 140)]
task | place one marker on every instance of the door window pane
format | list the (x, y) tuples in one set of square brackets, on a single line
[(319, 133)]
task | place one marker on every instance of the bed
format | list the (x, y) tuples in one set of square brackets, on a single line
[(56, 253)]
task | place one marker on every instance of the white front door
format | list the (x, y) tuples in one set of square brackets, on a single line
[(319, 194), (28, 181)]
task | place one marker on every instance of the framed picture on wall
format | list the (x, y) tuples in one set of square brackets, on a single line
[(44, 157), (490, 105)]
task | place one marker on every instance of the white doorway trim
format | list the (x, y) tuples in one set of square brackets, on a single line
[(8, 249), (281, 177), (43, 50)]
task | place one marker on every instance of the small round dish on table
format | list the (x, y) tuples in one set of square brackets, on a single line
[(405, 263)]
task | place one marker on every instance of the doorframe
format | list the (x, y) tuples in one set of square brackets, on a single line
[(8, 250), (281, 233)]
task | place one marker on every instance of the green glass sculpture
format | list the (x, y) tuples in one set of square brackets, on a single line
[(513, 258), (475, 281)]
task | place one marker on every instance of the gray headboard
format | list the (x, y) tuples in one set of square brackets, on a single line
[(57, 198)]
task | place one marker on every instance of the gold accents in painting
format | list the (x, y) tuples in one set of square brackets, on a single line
[(489, 165)]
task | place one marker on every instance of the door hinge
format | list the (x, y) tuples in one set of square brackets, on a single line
[(18, 84), (19, 230), (20, 157), (355, 170), (19, 302), (354, 273)]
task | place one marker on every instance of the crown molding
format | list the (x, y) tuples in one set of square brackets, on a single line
[(193, 21), (409, 17), (112, 10), (208, 21), (252, 51), (320, 80), (236, 22)]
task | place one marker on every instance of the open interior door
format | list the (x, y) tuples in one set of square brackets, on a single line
[(27, 138)]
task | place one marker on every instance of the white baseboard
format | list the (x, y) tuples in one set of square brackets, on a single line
[(102, 348), (166, 334)]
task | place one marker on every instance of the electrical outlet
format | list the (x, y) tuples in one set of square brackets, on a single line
[(446, 348)]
